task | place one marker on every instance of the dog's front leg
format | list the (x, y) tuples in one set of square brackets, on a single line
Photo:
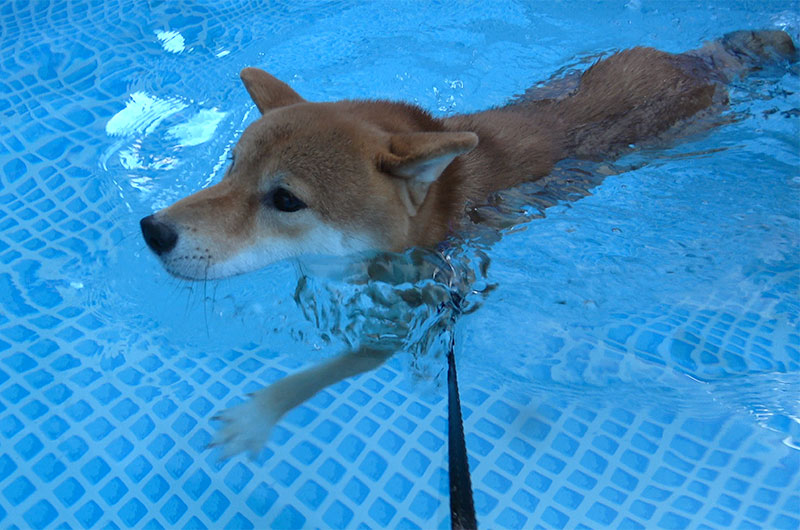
[(246, 426)]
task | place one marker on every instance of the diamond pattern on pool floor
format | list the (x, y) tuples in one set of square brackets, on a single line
[(106, 449), (99, 448)]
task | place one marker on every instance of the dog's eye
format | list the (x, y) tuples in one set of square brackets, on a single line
[(284, 200)]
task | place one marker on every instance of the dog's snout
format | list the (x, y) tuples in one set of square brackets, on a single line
[(159, 236)]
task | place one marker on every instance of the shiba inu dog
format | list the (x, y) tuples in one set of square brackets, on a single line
[(348, 176)]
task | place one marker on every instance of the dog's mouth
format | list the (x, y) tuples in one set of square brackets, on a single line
[(180, 260), (194, 267), (187, 255), (188, 252)]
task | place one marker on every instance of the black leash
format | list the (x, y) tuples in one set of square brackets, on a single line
[(462, 507)]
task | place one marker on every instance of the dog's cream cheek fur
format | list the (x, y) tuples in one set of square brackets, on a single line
[(201, 254), (320, 239)]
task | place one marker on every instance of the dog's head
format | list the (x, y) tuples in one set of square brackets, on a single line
[(308, 178)]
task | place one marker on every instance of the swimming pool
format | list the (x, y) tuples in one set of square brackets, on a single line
[(635, 365)]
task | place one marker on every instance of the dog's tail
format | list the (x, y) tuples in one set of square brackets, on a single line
[(740, 53), (640, 93)]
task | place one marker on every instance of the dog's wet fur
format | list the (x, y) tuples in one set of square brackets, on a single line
[(348, 176)]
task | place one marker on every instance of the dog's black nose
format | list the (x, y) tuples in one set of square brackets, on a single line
[(159, 236)]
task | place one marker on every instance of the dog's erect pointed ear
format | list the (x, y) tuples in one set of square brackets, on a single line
[(418, 159), (268, 92)]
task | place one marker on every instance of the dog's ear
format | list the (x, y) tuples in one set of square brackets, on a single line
[(418, 159), (268, 92)]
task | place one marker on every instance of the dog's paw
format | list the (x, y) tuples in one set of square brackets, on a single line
[(245, 428)]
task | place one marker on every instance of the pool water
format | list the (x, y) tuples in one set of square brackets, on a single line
[(632, 352)]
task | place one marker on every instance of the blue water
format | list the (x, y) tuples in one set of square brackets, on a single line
[(631, 361)]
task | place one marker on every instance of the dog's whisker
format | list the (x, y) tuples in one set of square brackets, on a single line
[(124, 238), (205, 303), (214, 297), (188, 293)]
